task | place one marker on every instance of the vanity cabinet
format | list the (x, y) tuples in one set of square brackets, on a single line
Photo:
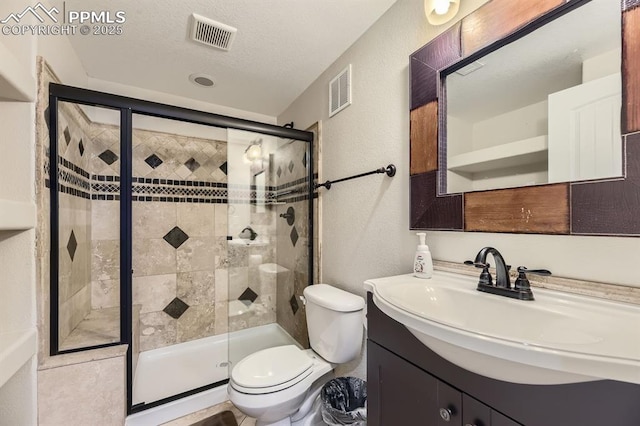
[(475, 413), (399, 393), (403, 394), (408, 384)]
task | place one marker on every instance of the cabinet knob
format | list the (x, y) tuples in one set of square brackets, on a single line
[(445, 413)]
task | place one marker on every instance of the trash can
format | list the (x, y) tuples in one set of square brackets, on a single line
[(344, 402)]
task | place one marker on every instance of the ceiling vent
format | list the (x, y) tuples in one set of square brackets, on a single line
[(340, 92), (212, 33), (473, 66)]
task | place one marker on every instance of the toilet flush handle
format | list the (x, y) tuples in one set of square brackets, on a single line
[(303, 300)]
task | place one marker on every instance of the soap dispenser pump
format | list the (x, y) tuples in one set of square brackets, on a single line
[(422, 263)]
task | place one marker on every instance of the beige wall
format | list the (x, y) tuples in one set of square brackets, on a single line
[(365, 228)]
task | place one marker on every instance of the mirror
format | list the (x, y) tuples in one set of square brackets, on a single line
[(561, 206), (544, 108)]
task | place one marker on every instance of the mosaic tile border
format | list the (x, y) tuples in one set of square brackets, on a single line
[(75, 181)]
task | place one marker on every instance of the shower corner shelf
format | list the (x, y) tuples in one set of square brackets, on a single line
[(16, 349), (16, 80), (17, 216)]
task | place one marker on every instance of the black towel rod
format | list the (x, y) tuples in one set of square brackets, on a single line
[(390, 170)]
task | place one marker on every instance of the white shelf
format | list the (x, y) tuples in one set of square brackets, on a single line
[(16, 81), (513, 154), (16, 348), (17, 216)]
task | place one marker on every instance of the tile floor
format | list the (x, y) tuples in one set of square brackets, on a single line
[(207, 412)]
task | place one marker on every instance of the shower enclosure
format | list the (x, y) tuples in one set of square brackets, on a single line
[(186, 235)]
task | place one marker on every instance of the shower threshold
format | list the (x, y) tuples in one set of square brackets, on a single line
[(165, 372)]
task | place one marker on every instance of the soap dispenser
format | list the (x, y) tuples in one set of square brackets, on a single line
[(422, 263)]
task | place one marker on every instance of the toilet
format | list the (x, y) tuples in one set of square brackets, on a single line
[(279, 386)]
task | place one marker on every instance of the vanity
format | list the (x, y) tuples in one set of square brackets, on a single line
[(486, 156), (456, 356)]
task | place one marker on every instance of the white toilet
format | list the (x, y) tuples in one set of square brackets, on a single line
[(279, 386)]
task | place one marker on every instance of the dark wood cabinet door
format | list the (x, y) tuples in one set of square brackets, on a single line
[(449, 405), (474, 412), (498, 419), (398, 392)]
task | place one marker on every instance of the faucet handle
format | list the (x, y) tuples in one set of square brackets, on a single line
[(544, 272), (522, 282), (485, 275), (477, 264)]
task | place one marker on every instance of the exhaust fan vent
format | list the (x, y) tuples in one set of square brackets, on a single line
[(340, 91), (212, 33)]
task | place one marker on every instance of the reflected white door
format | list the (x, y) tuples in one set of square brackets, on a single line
[(584, 131)]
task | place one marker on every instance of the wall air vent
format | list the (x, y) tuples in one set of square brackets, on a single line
[(340, 91), (212, 33)]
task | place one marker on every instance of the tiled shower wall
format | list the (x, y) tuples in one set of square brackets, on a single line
[(252, 291), (290, 173), (74, 266), (179, 234)]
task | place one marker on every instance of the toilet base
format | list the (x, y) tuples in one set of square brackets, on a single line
[(312, 418), (309, 413), (283, 422)]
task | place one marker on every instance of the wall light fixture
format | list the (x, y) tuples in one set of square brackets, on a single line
[(440, 11)]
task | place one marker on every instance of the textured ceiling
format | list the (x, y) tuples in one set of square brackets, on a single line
[(280, 48)]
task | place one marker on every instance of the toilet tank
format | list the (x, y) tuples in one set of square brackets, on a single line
[(335, 322)]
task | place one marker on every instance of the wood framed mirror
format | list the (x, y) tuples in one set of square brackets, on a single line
[(595, 207)]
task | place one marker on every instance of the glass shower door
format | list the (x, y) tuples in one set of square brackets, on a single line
[(179, 332), (268, 243), (88, 228)]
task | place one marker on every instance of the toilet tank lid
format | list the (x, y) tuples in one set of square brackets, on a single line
[(333, 298)]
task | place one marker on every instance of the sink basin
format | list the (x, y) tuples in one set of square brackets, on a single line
[(557, 338)]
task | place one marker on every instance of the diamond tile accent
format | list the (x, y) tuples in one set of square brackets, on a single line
[(192, 165), (72, 245), (291, 166), (176, 237), (248, 296), (293, 302), (108, 157), (67, 135), (279, 172), (294, 236), (304, 160), (223, 167), (176, 308), (153, 161), (81, 148)]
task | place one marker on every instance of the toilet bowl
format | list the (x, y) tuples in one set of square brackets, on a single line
[(283, 377), (279, 386)]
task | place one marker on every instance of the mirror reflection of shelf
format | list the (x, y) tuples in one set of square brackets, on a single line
[(16, 81), (513, 154), (17, 216)]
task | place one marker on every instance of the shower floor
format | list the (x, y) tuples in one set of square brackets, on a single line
[(165, 372)]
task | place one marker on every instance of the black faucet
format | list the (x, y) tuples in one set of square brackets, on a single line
[(248, 233), (521, 290)]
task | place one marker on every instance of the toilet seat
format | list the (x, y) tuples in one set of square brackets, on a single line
[(271, 370)]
